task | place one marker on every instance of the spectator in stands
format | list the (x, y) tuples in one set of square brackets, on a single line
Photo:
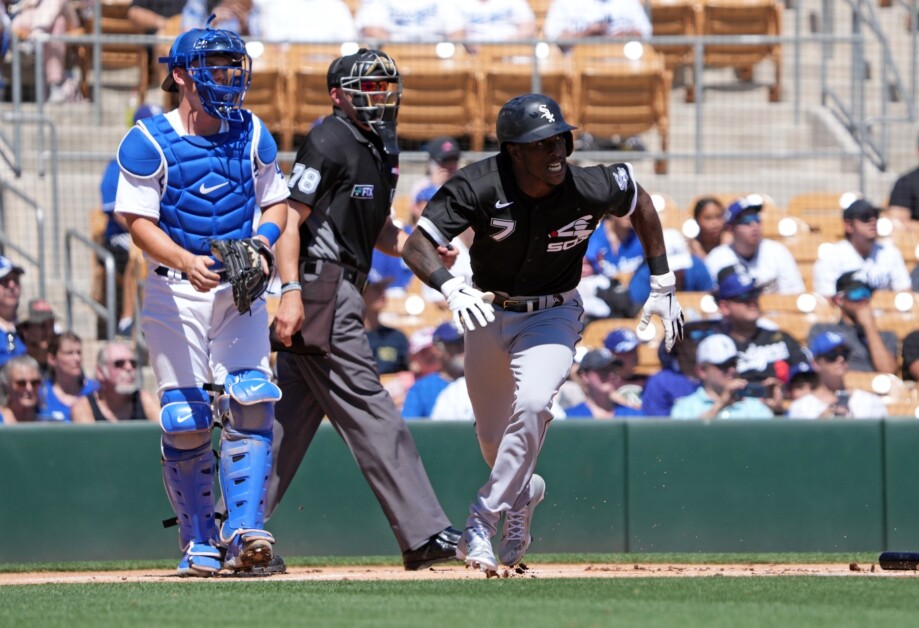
[(911, 357), (722, 395), (903, 205), (119, 396), (10, 293), (802, 380), (882, 263), (769, 262), (410, 20), (871, 349), (602, 296), (708, 213), (831, 398), (231, 15), (601, 378), (691, 273), (764, 352), (623, 344), (20, 380), (117, 241), (152, 15), (498, 21), (447, 349), (389, 345), (669, 384), (67, 382), (54, 17), (313, 20), (444, 156), (453, 401), (614, 248), (37, 331), (576, 19)]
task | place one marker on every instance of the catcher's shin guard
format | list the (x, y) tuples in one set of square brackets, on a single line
[(188, 476)]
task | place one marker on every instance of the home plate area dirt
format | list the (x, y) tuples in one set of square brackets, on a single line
[(460, 572)]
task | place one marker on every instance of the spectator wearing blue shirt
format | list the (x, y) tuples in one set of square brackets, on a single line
[(614, 248), (389, 345), (722, 394), (667, 385), (691, 272), (10, 292), (599, 376), (447, 348), (67, 382)]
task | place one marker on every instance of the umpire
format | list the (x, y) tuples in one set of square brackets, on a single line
[(342, 185)]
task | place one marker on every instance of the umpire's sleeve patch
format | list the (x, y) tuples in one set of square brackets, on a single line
[(138, 155)]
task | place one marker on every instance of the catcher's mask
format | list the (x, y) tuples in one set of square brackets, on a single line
[(370, 80), (530, 118), (217, 62)]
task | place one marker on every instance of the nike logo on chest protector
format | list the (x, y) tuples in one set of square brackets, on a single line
[(208, 189)]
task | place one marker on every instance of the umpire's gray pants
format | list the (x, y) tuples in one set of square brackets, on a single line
[(346, 387)]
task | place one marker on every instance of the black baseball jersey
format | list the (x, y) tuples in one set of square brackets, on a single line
[(757, 357), (343, 174), (905, 193), (525, 246)]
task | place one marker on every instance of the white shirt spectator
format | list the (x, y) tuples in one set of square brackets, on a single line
[(498, 20), (612, 17), (862, 405), (884, 267), (453, 403), (773, 267), (305, 20), (410, 20)]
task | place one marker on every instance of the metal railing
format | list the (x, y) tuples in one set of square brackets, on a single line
[(73, 292), (38, 261)]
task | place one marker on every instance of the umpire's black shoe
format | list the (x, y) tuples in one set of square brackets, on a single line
[(439, 549)]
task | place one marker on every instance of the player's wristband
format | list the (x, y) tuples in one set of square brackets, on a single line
[(658, 265), (440, 276), (270, 232), (290, 286)]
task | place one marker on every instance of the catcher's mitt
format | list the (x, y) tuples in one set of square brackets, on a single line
[(243, 261)]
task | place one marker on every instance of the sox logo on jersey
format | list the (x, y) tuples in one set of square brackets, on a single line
[(571, 234)]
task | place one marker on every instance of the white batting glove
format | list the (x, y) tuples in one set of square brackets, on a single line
[(469, 306), (662, 302)]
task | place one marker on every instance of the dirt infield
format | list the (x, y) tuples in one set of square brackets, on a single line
[(459, 572)]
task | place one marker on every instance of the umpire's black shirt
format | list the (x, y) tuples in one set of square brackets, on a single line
[(343, 174), (525, 246)]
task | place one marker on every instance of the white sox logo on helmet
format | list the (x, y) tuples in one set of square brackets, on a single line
[(548, 115), (571, 234)]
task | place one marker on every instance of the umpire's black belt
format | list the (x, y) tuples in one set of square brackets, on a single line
[(171, 273), (349, 274), (531, 304)]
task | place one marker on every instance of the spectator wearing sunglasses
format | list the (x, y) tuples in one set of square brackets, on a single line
[(722, 395), (11, 343), (119, 396), (20, 380), (764, 352), (770, 263), (831, 398), (872, 350), (881, 262)]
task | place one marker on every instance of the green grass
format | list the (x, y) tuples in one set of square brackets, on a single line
[(683, 602)]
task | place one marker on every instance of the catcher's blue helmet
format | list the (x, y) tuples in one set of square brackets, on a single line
[(191, 50), (530, 118)]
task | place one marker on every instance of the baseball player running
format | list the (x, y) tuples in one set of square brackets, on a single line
[(532, 215), (205, 172), (342, 186)]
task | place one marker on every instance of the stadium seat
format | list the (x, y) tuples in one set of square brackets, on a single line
[(677, 18)]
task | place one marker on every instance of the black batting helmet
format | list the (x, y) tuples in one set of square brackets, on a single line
[(530, 118)]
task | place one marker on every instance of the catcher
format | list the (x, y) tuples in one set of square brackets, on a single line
[(192, 183)]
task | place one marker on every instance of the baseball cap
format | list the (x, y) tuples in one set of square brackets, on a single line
[(446, 332), (7, 267), (421, 340), (716, 349), (826, 342), (854, 284), (443, 148), (801, 368), (678, 255), (860, 209), (597, 359), (746, 205), (40, 311), (734, 282), (621, 340), (147, 110)]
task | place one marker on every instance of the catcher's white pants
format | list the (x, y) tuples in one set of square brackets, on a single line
[(198, 337)]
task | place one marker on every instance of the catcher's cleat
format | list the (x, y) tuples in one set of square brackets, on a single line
[(275, 566), (475, 548), (440, 548), (515, 536), (200, 561), (249, 550)]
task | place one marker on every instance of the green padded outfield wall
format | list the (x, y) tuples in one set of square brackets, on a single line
[(95, 492)]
